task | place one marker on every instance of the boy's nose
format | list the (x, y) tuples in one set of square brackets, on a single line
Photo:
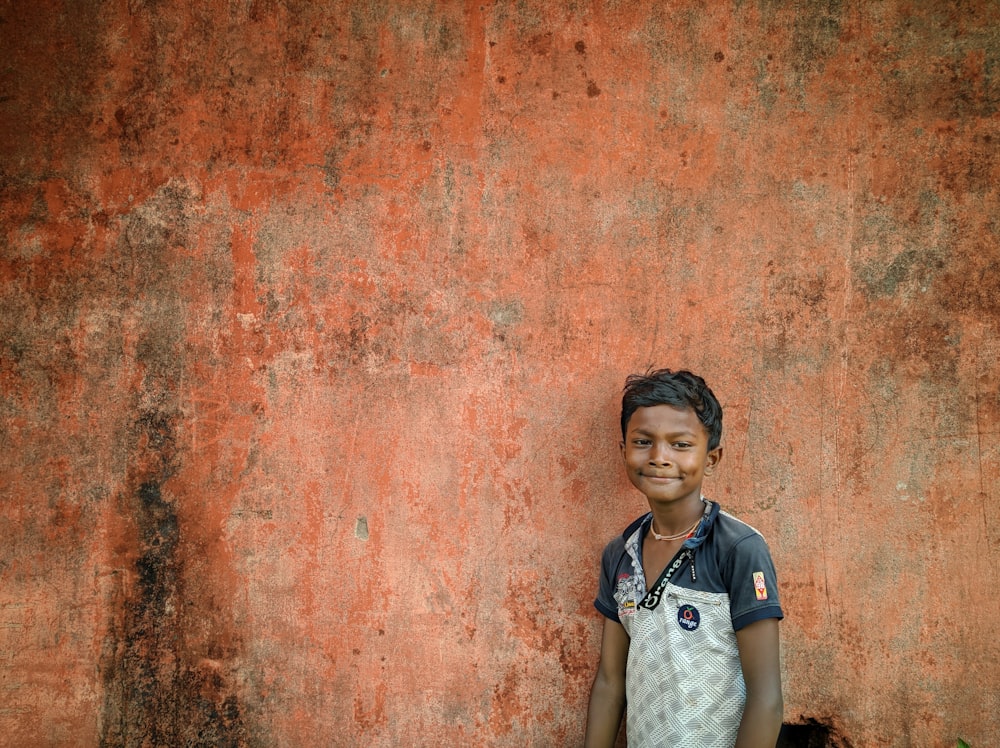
[(660, 455)]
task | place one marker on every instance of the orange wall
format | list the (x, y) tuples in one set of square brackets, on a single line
[(315, 316)]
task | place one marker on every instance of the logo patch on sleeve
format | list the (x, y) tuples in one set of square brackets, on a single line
[(758, 585)]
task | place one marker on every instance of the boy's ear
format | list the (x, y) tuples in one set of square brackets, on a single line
[(621, 448), (712, 459)]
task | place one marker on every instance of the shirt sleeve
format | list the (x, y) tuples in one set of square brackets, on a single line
[(605, 602), (752, 583)]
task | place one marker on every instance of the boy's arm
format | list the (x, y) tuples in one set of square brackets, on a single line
[(759, 656), (607, 695)]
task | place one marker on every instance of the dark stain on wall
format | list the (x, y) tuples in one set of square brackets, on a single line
[(156, 692), (169, 650)]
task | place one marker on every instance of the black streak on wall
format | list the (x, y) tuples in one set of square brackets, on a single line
[(170, 650), (154, 695)]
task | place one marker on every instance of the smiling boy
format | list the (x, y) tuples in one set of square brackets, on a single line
[(688, 592)]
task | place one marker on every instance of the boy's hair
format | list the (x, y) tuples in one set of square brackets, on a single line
[(681, 389)]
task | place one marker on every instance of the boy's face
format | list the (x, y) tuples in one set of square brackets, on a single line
[(666, 453)]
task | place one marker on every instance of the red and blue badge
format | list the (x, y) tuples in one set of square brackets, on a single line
[(688, 617)]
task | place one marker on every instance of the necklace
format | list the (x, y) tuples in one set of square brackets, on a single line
[(683, 534)]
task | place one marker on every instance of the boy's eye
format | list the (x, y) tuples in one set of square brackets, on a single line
[(641, 442), (682, 445)]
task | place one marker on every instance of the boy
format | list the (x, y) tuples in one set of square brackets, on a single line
[(689, 592)]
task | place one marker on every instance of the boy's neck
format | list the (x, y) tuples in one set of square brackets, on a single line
[(677, 517)]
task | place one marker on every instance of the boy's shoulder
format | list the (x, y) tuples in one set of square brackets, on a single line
[(730, 529)]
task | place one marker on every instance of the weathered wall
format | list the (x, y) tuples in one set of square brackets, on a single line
[(314, 319)]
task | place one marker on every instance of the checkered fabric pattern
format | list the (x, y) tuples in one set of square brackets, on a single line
[(706, 708)]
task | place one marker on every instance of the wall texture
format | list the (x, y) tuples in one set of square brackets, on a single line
[(315, 318)]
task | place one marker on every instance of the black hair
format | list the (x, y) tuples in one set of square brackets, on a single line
[(681, 389)]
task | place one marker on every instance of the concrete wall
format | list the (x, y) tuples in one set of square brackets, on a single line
[(315, 318)]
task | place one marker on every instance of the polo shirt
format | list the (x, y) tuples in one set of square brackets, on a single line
[(684, 682)]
